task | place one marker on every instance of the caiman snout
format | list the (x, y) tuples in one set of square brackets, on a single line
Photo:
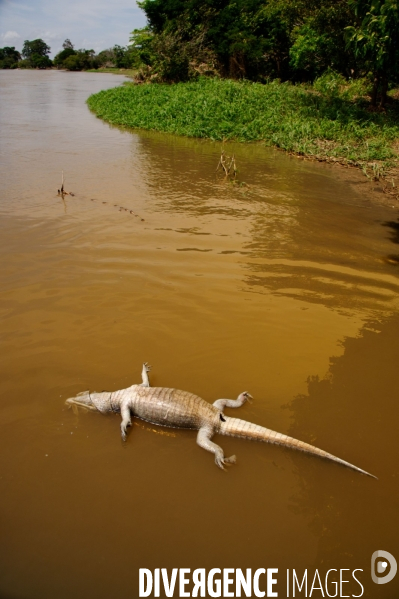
[(83, 400)]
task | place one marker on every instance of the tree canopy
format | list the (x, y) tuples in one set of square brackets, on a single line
[(9, 57), (375, 40), (38, 47), (296, 40), (36, 54)]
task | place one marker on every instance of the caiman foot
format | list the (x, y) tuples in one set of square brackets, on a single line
[(123, 430), (123, 434), (144, 375), (221, 462), (204, 441), (221, 404)]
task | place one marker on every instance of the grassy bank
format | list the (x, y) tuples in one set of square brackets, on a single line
[(297, 119)]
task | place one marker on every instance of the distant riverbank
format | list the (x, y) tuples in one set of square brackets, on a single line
[(336, 126), (115, 71)]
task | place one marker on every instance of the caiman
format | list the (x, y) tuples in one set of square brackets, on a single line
[(181, 409)]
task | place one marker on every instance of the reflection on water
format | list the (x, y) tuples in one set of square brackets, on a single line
[(313, 241), (353, 406), (222, 287), (394, 227)]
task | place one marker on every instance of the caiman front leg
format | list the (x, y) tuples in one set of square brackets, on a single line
[(144, 375), (221, 404), (126, 420), (204, 441)]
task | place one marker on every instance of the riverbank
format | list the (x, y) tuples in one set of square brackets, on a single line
[(298, 119), (115, 71)]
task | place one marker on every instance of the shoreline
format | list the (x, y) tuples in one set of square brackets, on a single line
[(130, 73), (290, 118)]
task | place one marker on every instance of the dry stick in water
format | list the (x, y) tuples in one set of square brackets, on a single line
[(233, 164), (227, 168), (223, 163), (62, 192)]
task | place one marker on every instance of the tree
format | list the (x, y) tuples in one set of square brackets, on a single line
[(298, 40), (61, 57), (141, 49), (229, 32), (38, 47), (106, 58), (316, 37), (80, 60), (258, 39), (36, 54), (40, 62), (72, 63), (122, 57), (374, 38), (9, 57), (67, 45)]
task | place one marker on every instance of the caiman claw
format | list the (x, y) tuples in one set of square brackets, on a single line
[(248, 396), (221, 462)]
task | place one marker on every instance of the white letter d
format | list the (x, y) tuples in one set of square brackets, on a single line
[(143, 572)]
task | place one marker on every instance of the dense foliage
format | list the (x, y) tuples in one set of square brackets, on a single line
[(9, 57), (259, 40), (375, 40), (36, 54), (82, 60)]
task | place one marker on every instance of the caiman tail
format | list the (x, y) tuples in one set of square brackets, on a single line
[(234, 427)]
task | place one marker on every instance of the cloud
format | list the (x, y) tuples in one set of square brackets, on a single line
[(16, 5), (50, 35), (97, 24), (9, 36)]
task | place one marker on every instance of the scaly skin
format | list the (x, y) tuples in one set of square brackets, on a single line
[(181, 409)]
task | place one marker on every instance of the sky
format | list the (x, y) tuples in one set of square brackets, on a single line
[(90, 24)]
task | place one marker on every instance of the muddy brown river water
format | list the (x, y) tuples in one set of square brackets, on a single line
[(277, 285)]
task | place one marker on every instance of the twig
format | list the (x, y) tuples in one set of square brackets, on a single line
[(62, 192), (227, 168)]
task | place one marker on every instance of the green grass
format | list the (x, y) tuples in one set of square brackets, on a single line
[(292, 117)]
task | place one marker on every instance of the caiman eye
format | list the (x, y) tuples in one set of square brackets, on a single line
[(221, 418)]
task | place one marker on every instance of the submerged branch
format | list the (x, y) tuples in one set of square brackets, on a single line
[(227, 167), (62, 192)]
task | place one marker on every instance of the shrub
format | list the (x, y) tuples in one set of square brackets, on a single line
[(72, 63), (329, 83), (61, 57)]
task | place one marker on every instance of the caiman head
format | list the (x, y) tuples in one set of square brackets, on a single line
[(100, 402), (82, 400)]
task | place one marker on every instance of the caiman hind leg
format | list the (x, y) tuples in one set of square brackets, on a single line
[(144, 375), (204, 441), (221, 404)]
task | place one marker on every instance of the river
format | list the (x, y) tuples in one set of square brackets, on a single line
[(277, 284)]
